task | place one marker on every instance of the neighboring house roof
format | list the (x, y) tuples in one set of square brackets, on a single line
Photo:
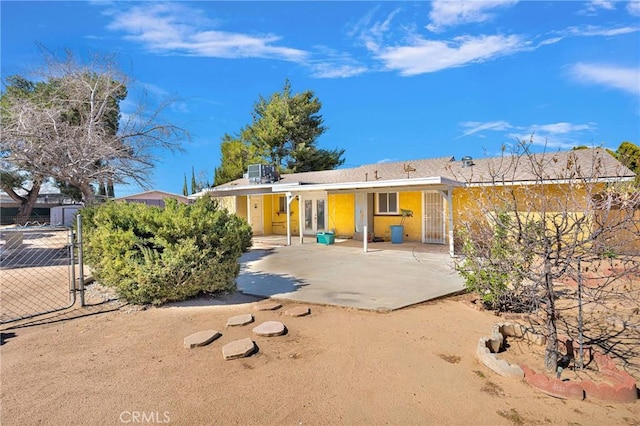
[(43, 200), (445, 171), (153, 195)]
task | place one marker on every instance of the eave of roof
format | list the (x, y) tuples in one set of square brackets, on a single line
[(439, 173), (434, 181)]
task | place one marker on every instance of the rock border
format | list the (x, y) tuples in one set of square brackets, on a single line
[(489, 346), (623, 390)]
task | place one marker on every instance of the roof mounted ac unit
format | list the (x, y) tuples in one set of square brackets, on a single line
[(261, 173)]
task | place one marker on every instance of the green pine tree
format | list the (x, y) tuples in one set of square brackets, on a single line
[(185, 188), (194, 184)]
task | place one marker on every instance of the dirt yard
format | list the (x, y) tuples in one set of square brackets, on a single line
[(335, 366)]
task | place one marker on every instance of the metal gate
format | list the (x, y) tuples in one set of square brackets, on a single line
[(434, 218), (38, 270)]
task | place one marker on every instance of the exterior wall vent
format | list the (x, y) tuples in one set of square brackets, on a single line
[(467, 161), (261, 173)]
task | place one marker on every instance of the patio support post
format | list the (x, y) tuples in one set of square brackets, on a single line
[(365, 240), (289, 200), (450, 204), (300, 224)]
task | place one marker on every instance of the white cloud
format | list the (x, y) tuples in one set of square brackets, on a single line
[(562, 128), (593, 7), (602, 4), (626, 79), (447, 13), (591, 30), (335, 70), (372, 35), (633, 7), (425, 56), (477, 126), (561, 135), (174, 28), (335, 64)]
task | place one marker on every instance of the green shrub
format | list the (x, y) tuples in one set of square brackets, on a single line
[(492, 267), (154, 255)]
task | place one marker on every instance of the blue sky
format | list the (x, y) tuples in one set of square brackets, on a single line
[(397, 80)]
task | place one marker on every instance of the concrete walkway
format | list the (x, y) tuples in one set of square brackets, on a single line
[(381, 279)]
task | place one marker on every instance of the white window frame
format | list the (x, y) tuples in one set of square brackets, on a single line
[(387, 212)]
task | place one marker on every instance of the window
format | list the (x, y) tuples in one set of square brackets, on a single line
[(282, 204), (387, 203)]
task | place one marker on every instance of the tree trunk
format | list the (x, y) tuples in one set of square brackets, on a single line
[(28, 202), (551, 350), (88, 196)]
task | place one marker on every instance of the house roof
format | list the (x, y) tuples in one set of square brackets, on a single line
[(152, 195), (445, 171)]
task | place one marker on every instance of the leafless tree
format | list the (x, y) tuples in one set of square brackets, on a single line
[(71, 127), (540, 221)]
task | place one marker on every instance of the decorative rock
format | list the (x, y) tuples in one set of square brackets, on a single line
[(239, 320), (269, 328), (508, 330), (238, 348), (519, 330), (298, 311), (499, 366), (496, 341), (537, 339), (268, 306), (620, 388), (553, 386), (201, 338)]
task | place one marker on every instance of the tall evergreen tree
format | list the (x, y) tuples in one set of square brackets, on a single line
[(185, 188), (284, 132), (194, 184)]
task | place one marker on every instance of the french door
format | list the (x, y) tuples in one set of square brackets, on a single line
[(315, 215)]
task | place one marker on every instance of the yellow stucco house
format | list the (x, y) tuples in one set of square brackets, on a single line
[(378, 196)]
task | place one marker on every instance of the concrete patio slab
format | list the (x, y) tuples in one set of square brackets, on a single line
[(380, 279)]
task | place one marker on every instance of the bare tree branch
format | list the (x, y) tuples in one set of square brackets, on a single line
[(70, 127)]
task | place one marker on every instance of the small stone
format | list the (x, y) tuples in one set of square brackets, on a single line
[(238, 348), (269, 328), (494, 343), (298, 311), (538, 339), (508, 330), (268, 306), (518, 330), (239, 320), (201, 338)]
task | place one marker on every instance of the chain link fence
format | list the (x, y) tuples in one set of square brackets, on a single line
[(38, 270)]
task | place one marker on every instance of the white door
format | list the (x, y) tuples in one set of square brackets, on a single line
[(315, 215), (361, 211), (434, 224), (255, 214)]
